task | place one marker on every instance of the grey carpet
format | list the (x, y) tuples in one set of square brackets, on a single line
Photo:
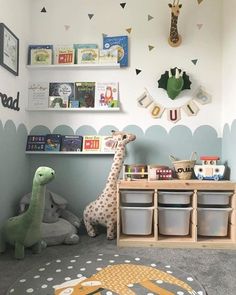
[(214, 269)]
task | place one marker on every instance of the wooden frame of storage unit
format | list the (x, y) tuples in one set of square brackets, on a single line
[(190, 241)]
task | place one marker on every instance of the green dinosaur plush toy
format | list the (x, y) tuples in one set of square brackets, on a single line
[(175, 84), (24, 230)]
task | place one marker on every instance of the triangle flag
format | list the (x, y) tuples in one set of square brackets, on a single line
[(150, 17), (138, 71), (43, 9), (67, 27), (199, 1), (122, 5), (194, 61), (129, 30), (90, 15), (199, 26), (150, 47)]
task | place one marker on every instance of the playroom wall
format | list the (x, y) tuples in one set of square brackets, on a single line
[(228, 86), (14, 165)]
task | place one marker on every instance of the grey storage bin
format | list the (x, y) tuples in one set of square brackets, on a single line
[(213, 221), (174, 197), (137, 198), (136, 220), (213, 198), (174, 221)]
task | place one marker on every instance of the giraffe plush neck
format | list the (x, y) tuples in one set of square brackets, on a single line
[(174, 38), (103, 210)]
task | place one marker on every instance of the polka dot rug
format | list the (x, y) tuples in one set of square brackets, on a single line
[(104, 274)]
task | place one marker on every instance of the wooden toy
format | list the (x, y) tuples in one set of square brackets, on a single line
[(157, 172), (174, 38), (209, 169), (135, 172)]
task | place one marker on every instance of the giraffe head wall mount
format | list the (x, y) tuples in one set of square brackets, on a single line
[(174, 38)]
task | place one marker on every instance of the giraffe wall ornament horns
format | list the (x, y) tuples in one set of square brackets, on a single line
[(174, 38), (103, 210)]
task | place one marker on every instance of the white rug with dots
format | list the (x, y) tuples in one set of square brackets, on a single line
[(104, 274)]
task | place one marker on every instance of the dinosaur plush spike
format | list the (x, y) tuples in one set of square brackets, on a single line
[(24, 230)]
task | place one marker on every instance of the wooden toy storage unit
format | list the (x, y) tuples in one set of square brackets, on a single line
[(192, 240)]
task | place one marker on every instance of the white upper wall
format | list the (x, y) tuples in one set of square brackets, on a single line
[(16, 16), (229, 62), (109, 18)]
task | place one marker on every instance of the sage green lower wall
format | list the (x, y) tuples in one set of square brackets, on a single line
[(14, 168), (80, 178), (229, 148)]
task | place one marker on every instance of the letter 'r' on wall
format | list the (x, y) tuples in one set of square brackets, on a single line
[(174, 115)]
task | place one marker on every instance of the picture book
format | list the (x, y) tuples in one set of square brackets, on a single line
[(71, 143), (40, 54), (64, 54), (52, 142), (81, 46), (107, 95), (60, 94), (87, 55), (35, 143), (108, 56), (85, 94), (108, 144), (121, 44), (91, 143), (38, 95)]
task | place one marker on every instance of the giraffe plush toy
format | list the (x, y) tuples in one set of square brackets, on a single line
[(103, 210), (174, 38)]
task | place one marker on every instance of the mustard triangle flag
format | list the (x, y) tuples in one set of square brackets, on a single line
[(129, 30)]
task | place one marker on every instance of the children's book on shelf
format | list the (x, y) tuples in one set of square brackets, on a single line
[(108, 144), (38, 95), (64, 54), (40, 54), (85, 94), (60, 94), (52, 142), (87, 55), (82, 46), (107, 95), (71, 143), (35, 143), (121, 44), (108, 56), (91, 143)]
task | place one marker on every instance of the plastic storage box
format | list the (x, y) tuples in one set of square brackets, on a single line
[(213, 221), (136, 220), (174, 197), (174, 221), (213, 198), (139, 198)]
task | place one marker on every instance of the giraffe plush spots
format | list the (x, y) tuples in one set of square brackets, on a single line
[(103, 210), (174, 38)]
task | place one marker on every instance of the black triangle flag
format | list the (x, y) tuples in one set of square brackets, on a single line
[(43, 9), (150, 17), (150, 47), (194, 61), (138, 71), (123, 5), (90, 15)]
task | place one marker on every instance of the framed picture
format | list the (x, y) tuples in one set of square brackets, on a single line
[(9, 50)]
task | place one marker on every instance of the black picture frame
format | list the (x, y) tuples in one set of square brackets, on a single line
[(9, 50)]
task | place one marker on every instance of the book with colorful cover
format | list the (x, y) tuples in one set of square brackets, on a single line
[(71, 143), (107, 95), (60, 94), (38, 95), (64, 54), (35, 143), (85, 94), (40, 54), (91, 143), (87, 55), (121, 44), (52, 142), (108, 144), (81, 46)]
